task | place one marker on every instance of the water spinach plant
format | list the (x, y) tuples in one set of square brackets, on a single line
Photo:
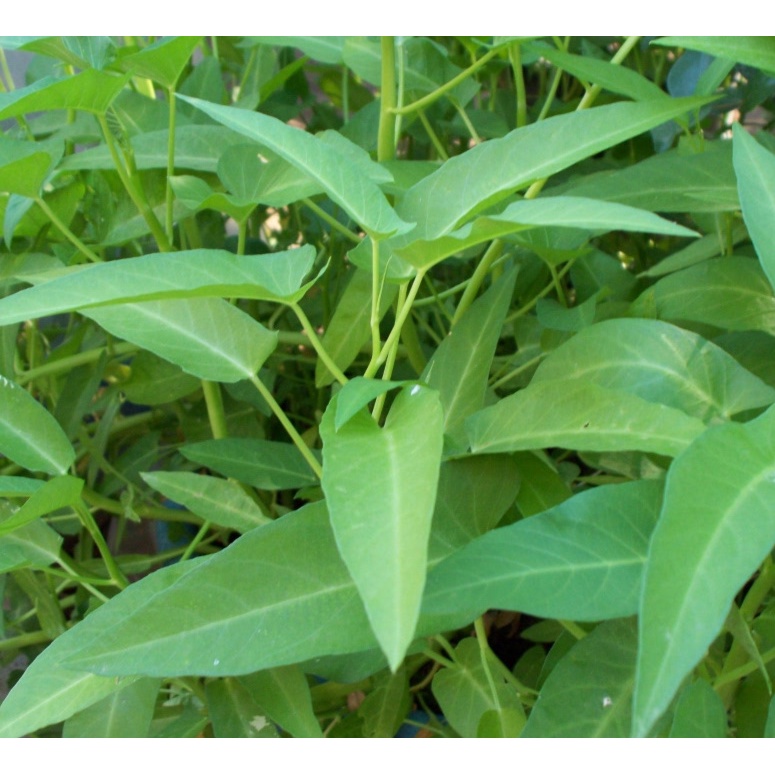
[(363, 387)]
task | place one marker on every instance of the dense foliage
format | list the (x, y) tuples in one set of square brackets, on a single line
[(350, 386)]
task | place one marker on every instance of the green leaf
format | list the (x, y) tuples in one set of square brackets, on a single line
[(464, 693), (55, 494), (541, 485), (48, 692), (197, 147), (699, 712), (580, 560), (575, 414), (755, 170), (16, 486), (757, 51), (473, 495), (660, 363), (589, 691), (267, 465), (495, 169), (162, 61), (283, 695), (358, 196), (196, 195), (563, 211), (29, 435), (769, 729), (216, 500), (348, 329), (208, 338), (674, 181), (731, 293), (91, 90), (322, 48), (155, 381), (234, 713), (387, 705), (357, 393), (315, 611), (127, 712), (380, 485), (715, 528), (460, 367), (183, 275)]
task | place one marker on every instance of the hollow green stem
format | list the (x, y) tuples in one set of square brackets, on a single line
[(67, 364), (379, 403), (77, 244), (301, 445), (436, 657), (197, 539), (168, 219), (386, 135), (114, 571), (429, 99), (375, 294), (397, 326), (517, 371), (491, 255), (215, 412), (21, 641), (577, 632), (134, 191), (484, 653), (433, 136), (322, 353), (332, 222), (547, 290), (515, 57)]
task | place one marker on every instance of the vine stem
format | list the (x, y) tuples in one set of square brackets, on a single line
[(301, 445), (54, 218), (386, 134), (318, 345), (114, 571), (477, 278), (168, 219)]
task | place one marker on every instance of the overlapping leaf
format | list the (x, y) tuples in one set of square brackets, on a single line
[(182, 275), (715, 528)]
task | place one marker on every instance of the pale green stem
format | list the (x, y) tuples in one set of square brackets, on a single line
[(168, 221), (75, 576), (433, 136), (386, 137), (77, 244), (301, 445), (577, 632), (484, 652), (491, 255), (242, 237), (589, 97), (20, 641), (429, 99), (88, 521), (68, 364), (548, 289), (517, 371), (387, 373), (317, 345), (134, 191), (215, 411), (467, 121), (376, 341), (197, 539), (397, 326), (515, 56), (331, 221)]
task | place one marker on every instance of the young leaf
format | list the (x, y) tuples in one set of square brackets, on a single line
[(216, 500), (283, 694), (29, 435), (460, 367), (380, 485), (715, 528), (268, 465), (25, 166), (387, 705), (465, 694), (581, 560), (661, 363), (35, 544), (359, 197), (589, 691), (576, 414), (183, 275), (755, 170), (208, 338), (357, 393)]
